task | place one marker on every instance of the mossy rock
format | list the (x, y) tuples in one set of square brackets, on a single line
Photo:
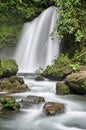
[(59, 69), (77, 82), (62, 88), (8, 103), (57, 74), (8, 68), (13, 84)]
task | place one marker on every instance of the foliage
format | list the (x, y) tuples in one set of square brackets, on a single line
[(82, 58), (13, 13), (63, 65), (75, 67), (9, 104), (55, 71), (61, 60), (84, 85), (72, 21), (7, 101)]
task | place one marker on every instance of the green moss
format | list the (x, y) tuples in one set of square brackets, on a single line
[(8, 67), (62, 88), (55, 71), (8, 103)]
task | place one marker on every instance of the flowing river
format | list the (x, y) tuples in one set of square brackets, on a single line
[(34, 118)]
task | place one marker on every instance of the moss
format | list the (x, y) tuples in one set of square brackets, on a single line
[(13, 84), (56, 71), (62, 88), (9, 67), (8, 103)]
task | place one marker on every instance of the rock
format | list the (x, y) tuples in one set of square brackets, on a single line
[(62, 88), (31, 100), (67, 70), (13, 84), (77, 82), (8, 68), (56, 74), (39, 78), (8, 103), (51, 108), (82, 67), (14, 79)]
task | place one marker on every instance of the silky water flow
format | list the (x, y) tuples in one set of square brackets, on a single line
[(36, 48)]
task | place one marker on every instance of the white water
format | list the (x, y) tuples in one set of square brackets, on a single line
[(74, 117), (35, 48)]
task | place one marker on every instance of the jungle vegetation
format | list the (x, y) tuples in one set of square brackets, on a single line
[(13, 14)]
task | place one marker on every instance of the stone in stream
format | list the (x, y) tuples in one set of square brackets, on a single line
[(39, 78), (31, 100), (8, 103), (51, 108), (77, 82), (62, 88), (13, 84)]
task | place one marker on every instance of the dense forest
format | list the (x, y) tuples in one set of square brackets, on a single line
[(71, 25), (14, 14)]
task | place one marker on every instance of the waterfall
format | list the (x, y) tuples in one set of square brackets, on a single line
[(35, 48)]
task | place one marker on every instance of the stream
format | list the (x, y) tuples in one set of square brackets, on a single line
[(74, 117)]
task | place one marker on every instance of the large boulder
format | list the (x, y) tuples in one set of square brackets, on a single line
[(77, 82), (13, 84), (8, 67), (8, 103), (31, 100), (51, 108), (62, 88)]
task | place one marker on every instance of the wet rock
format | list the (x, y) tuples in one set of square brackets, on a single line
[(39, 78), (31, 100), (62, 88), (13, 84), (8, 103), (77, 82), (51, 108)]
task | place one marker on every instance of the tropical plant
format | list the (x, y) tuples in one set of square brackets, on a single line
[(72, 21)]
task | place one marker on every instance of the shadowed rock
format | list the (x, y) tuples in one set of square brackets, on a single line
[(31, 100)]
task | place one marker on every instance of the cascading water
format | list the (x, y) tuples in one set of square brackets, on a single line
[(35, 48)]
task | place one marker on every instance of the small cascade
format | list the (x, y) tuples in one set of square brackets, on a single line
[(35, 48)]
